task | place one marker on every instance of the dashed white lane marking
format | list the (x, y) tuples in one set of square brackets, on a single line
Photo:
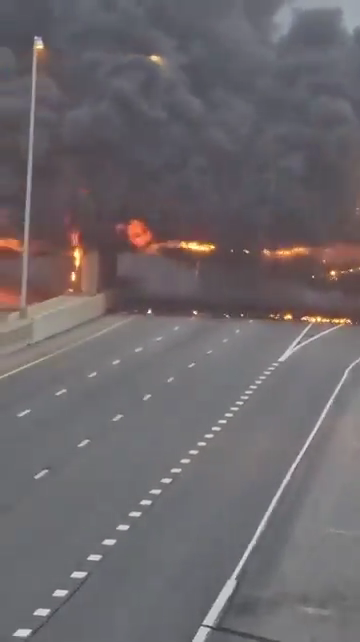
[(109, 542), (22, 633), (117, 417), (253, 387), (222, 421), (140, 349), (249, 392), (235, 408), (23, 413), (158, 339), (176, 327), (239, 403), (191, 365), (185, 461), (67, 348), (92, 375), (193, 452), (258, 382), (176, 471), (94, 558), (116, 362), (201, 443), (146, 502), (61, 592), (237, 331), (230, 586), (271, 368), (60, 392), (216, 428), (229, 414), (244, 397), (170, 379), (42, 612), (209, 352), (156, 491), (209, 435), (83, 443), (225, 340), (79, 575), (135, 513), (123, 527), (166, 480), (262, 378), (146, 397), (267, 372), (41, 474)]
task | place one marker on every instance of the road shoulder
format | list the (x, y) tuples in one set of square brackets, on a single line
[(302, 584)]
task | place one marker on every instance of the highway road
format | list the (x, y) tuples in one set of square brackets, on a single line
[(136, 465)]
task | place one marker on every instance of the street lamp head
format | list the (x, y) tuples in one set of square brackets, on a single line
[(38, 43), (158, 60)]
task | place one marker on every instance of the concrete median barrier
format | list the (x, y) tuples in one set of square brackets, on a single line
[(52, 317)]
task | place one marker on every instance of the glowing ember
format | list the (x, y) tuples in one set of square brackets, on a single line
[(286, 253)]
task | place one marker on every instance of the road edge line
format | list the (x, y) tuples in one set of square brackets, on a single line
[(228, 589), (66, 348)]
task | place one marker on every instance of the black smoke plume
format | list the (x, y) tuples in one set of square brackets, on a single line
[(195, 116)]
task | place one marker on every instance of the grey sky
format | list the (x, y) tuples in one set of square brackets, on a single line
[(351, 8)]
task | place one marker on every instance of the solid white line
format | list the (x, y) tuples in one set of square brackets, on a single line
[(66, 348), (60, 392), (216, 610), (317, 336), (41, 474), (294, 343), (23, 413)]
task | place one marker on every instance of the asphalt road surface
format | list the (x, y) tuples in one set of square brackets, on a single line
[(136, 465)]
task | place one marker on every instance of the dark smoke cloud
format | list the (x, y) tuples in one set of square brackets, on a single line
[(238, 133)]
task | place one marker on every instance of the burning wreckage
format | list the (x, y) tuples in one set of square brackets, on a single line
[(208, 114)]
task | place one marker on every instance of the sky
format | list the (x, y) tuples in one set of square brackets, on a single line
[(351, 8)]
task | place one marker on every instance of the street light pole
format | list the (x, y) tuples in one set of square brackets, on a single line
[(37, 46)]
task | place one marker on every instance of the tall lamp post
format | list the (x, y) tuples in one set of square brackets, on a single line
[(38, 45)]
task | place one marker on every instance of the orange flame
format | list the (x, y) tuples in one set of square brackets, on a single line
[(77, 258), (11, 244)]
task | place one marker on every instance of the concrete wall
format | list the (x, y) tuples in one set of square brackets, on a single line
[(48, 275)]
